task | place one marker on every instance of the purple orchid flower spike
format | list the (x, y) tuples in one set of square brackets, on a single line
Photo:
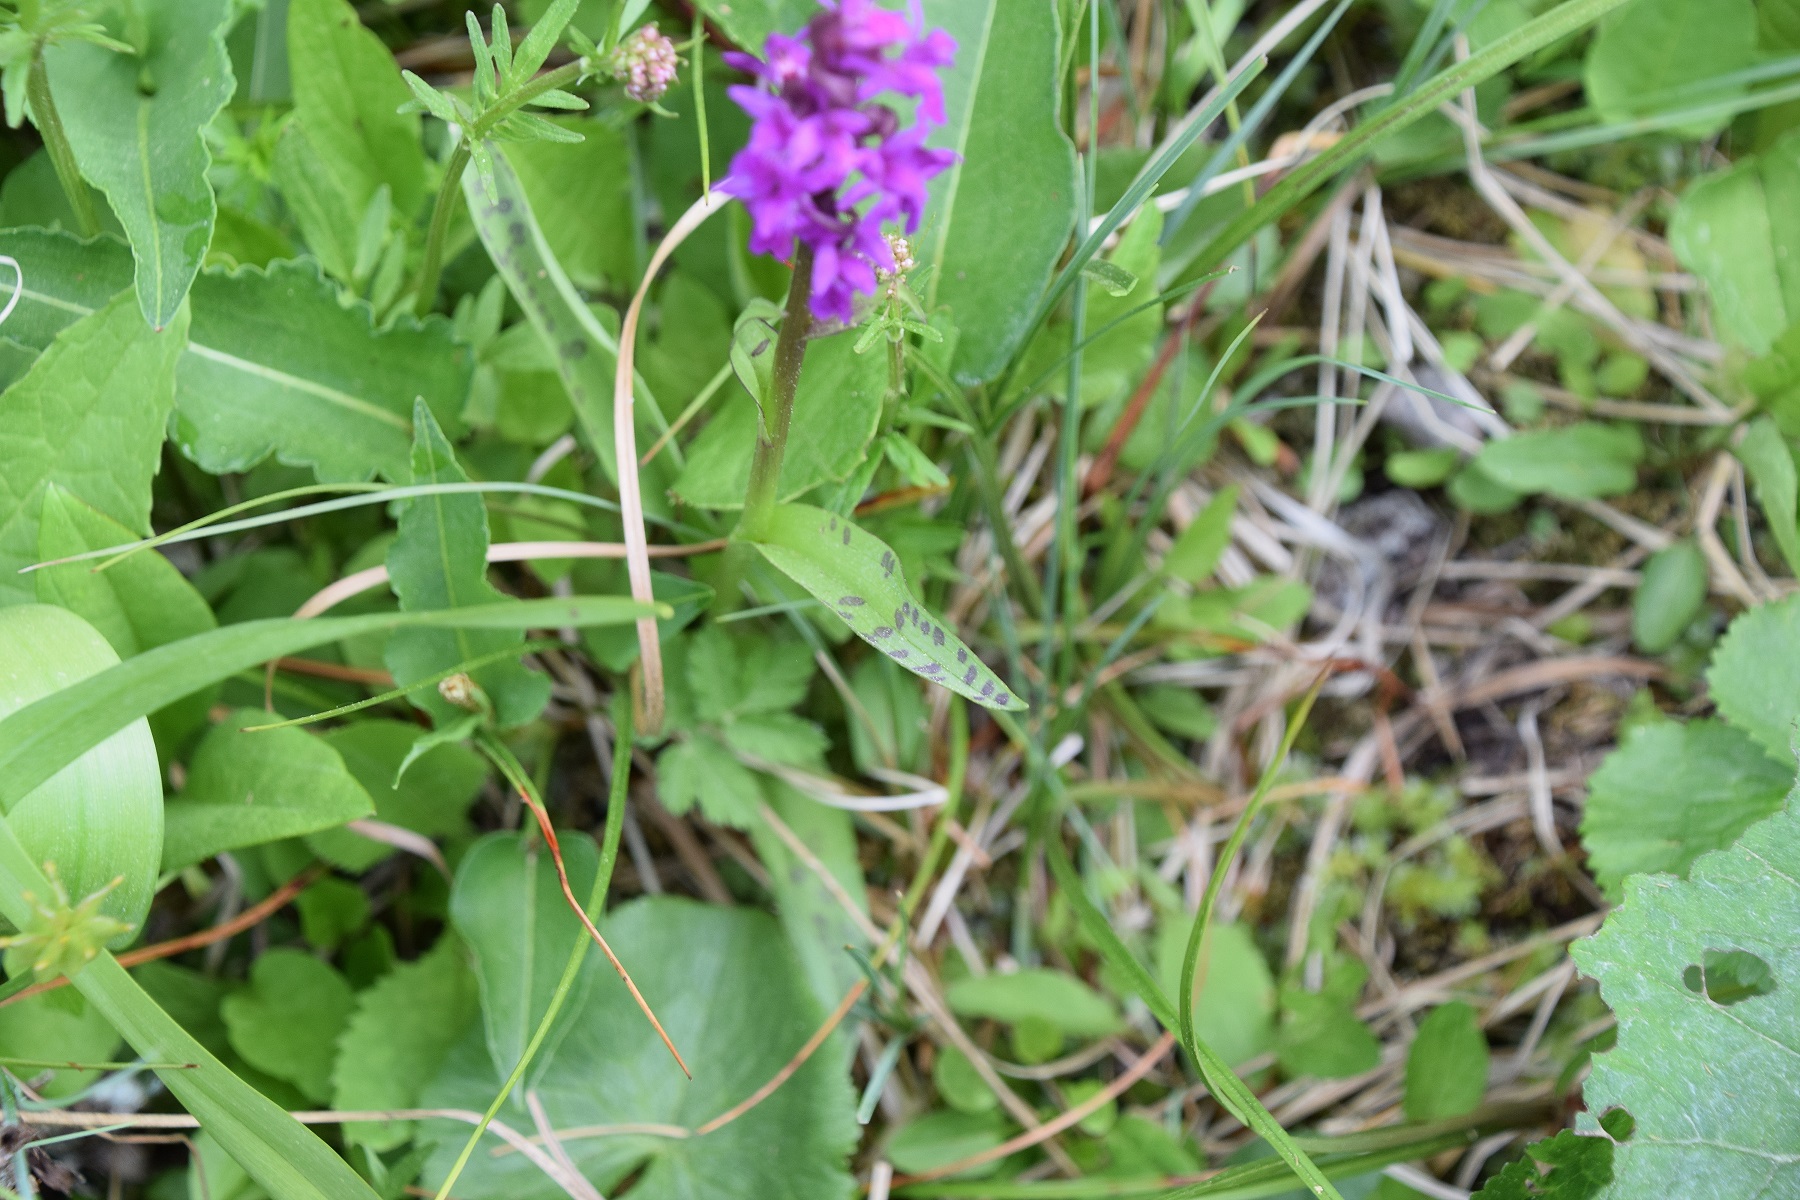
[(828, 162)]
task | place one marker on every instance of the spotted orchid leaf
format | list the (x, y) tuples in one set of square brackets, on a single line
[(858, 577)]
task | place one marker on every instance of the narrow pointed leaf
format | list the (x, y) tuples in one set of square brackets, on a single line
[(858, 577)]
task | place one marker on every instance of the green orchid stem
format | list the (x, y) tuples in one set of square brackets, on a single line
[(609, 856), (444, 206), (56, 144), (778, 410)]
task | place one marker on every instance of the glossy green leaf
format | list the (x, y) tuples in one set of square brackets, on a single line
[(1739, 230), (439, 560), (88, 416), (584, 352), (1765, 454), (1669, 597), (1751, 678), (1655, 45), (857, 576), (288, 1021), (836, 411), (244, 789), (1580, 461), (141, 603), (1671, 792), (1706, 1074), (397, 1038), (431, 798), (347, 91), (1000, 218), (509, 910), (1054, 996), (1446, 1065), (274, 362), (100, 817), (727, 988), (137, 124)]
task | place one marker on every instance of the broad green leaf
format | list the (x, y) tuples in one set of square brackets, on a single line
[(1578, 1167), (817, 926), (857, 576), (1040, 992), (1765, 454), (1000, 218), (347, 91), (1739, 230), (99, 817), (1752, 678), (727, 988), (585, 353), (244, 789), (1702, 974), (1198, 548), (1669, 597), (509, 910), (57, 1027), (140, 603), (439, 560), (1234, 993), (1671, 792), (836, 410), (750, 22), (582, 197), (274, 361), (328, 218), (89, 417), (42, 738), (432, 797), (403, 1026), (1446, 1065), (1580, 461), (288, 1021), (137, 124), (1654, 45)]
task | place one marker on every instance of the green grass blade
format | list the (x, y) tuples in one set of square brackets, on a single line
[(1558, 23)]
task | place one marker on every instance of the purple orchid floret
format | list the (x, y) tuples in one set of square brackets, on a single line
[(828, 163)]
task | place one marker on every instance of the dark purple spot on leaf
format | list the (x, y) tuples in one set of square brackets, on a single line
[(1003, 699), (937, 636), (969, 679), (881, 631), (987, 689), (575, 348), (851, 601), (846, 535)]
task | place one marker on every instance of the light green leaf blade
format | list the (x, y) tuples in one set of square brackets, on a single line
[(817, 926), (346, 93), (836, 410), (582, 198), (439, 560), (1706, 1072), (1653, 45), (1234, 991), (727, 988), (1752, 679), (1669, 596), (1446, 1065), (88, 416), (49, 1027), (999, 219), (1765, 454), (585, 353), (288, 1021), (1671, 792), (699, 770), (431, 798), (1039, 992), (508, 908), (244, 789), (141, 603), (858, 577), (403, 1026), (137, 127), (1739, 230), (274, 362), (100, 816), (1580, 461)]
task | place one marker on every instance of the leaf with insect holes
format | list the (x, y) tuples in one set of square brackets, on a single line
[(858, 577), (1702, 973)]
